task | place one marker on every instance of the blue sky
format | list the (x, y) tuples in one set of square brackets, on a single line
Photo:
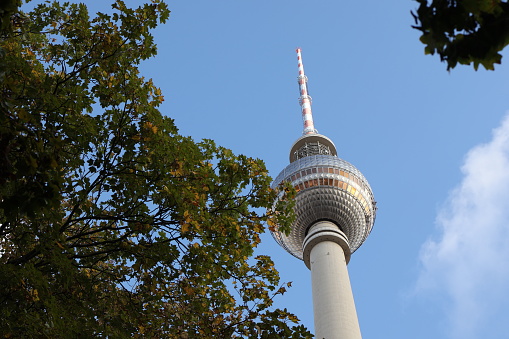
[(434, 146), (435, 265)]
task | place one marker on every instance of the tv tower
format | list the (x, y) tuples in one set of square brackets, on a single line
[(335, 212)]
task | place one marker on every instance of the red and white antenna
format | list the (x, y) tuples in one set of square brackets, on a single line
[(305, 99)]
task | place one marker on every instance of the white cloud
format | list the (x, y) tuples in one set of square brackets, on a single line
[(469, 264)]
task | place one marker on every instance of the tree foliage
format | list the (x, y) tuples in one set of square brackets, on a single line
[(465, 32), (112, 224)]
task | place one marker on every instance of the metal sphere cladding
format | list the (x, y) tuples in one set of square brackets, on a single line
[(330, 189)]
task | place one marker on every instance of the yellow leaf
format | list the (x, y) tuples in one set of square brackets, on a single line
[(35, 295), (188, 290), (187, 216), (184, 227), (148, 125)]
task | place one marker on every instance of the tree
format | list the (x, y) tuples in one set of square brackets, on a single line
[(465, 32), (112, 224)]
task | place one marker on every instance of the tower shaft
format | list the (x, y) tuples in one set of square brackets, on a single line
[(335, 315)]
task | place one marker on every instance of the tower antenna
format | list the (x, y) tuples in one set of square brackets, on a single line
[(304, 99)]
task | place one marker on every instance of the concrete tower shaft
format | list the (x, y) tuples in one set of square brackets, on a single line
[(325, 251)]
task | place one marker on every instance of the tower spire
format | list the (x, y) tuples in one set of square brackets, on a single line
[(305, 99)]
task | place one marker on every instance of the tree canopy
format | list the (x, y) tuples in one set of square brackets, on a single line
[(112, 224), (465, 32)]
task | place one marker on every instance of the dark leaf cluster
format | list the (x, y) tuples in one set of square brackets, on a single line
[(465, 32)]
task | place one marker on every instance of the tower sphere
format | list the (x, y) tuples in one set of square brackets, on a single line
[(328, 189)]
